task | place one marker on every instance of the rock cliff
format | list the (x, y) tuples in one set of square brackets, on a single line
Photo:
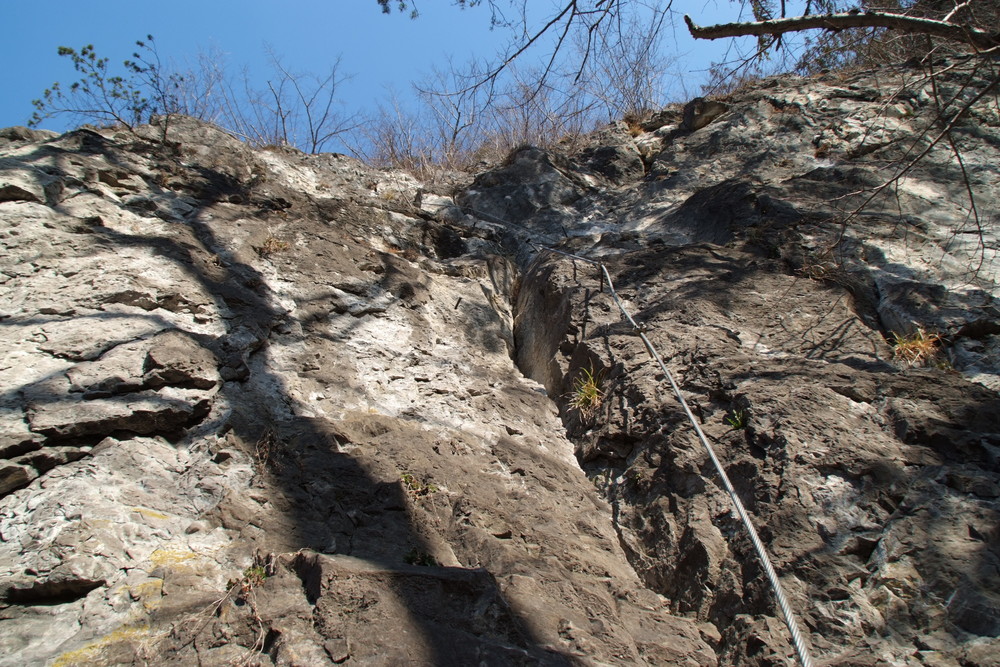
[(261, 407)]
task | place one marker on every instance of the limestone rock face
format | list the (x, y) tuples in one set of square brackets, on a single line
[(260, 407), (213, 354)]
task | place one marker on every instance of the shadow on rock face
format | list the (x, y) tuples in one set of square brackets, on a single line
[(355, 562), (722, 212), (369, 584)]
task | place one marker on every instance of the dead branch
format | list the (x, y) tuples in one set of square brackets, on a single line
[(945, 134), (573, 14), (980, 39)]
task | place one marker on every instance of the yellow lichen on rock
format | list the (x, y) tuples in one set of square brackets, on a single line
[(171, 558), (91, 653), (152, 514), (148, 593)]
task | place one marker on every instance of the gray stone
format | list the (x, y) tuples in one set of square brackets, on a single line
[(141, 412), (14, 476), (15, 437), (177, 360), (23, 134), (18, 183)]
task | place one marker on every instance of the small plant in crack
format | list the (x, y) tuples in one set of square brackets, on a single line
[(243, 591), (254, 576), (422, 558), (271, 246), (242, 588), (917, 349), (587, 394), (637, 475), (265, 451), (415, 487), (738, 419)]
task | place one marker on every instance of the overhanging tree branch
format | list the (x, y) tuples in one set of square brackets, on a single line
[(980, 39)]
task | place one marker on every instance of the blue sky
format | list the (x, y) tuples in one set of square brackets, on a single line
[(379, 52)]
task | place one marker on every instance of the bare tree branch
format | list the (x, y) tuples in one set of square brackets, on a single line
[(958, 8), (492, 75), (980, 39), (591, 16), (912, 163)]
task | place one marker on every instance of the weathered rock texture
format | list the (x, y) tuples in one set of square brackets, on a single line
[(260, 407)]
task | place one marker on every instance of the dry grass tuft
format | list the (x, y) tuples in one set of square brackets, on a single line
[(633, 122), (917, 349), (272, 245), (587, 394)]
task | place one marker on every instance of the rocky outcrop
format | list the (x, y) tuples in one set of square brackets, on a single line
[(776, 297), (260, 407), (213, 355), (844, 458)]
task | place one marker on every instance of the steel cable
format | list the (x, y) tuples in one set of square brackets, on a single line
[(765, 560), (786, 610)]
